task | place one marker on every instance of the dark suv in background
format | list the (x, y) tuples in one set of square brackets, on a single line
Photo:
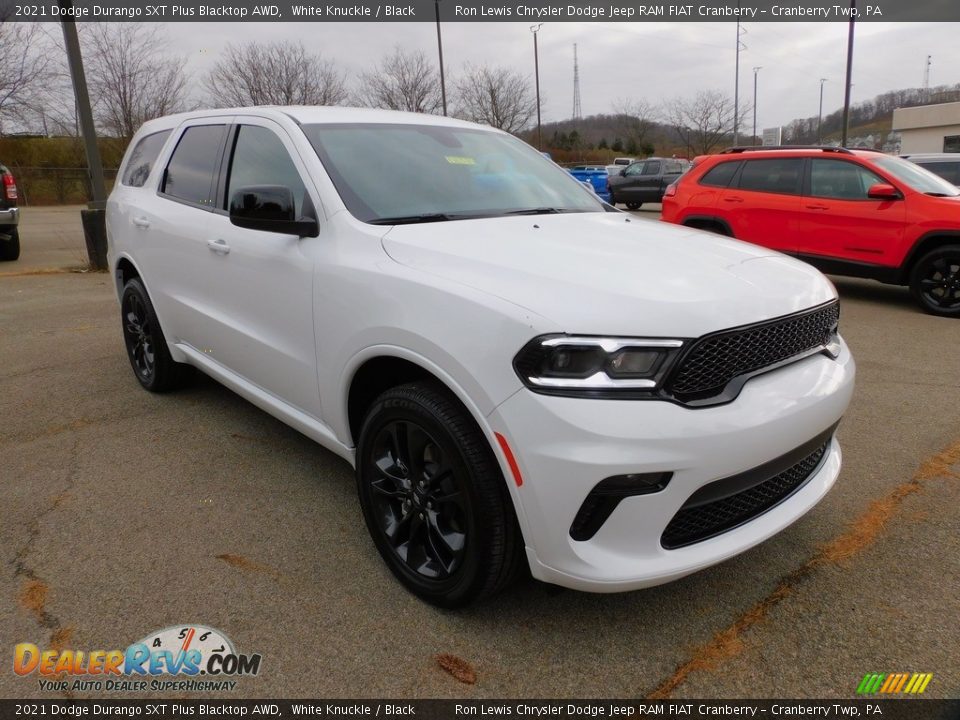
[(946, 165), (645, 181), (9, 216)]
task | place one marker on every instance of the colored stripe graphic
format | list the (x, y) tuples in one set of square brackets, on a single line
[(894, 683)]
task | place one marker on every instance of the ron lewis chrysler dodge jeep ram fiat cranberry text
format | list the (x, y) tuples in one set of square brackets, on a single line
[(519, 373)]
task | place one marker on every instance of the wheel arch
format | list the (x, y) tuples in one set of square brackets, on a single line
[(927, 242), (709, 223), (381, 364)]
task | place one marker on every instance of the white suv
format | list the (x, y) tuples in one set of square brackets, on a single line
[(519, 373)]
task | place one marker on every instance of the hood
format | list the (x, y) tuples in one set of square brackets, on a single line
[(608, 273)]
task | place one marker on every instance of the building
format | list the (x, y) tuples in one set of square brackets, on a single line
[(928, 128)]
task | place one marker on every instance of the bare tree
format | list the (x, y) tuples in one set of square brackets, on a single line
[(401, 81), (496, 96), (277, 73), (22, 66), (635, 120), (132, 78), (702, 123)]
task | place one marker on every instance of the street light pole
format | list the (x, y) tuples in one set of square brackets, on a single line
[(536, 72), (820, 114), (846, 95), (736, 90), (94, 217), (756, 70), (443, 83)]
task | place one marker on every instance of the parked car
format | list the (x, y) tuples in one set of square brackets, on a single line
[(595, 177), (644, 181), (847, 212), (623, 160), (520, 374), (946, 165), (9, 216)]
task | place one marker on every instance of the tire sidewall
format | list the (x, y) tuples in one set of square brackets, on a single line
[(135, 287)]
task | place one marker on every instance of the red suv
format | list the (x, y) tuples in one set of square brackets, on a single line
[(848, 212)]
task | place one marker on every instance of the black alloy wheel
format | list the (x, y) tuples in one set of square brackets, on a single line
[(935, 281), (433, 497), (421, 505), (146, 346)]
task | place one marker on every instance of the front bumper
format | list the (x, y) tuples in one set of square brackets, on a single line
[(10, 216), (565, 446)]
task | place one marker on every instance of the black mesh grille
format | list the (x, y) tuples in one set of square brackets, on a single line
[(715, 360), (691, 525)]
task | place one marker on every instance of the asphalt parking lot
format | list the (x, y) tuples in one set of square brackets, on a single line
[(125, 512)]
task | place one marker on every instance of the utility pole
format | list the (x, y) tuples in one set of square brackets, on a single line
[(443, 82), (577, 110), (926, 79), (846, 98), (820, 114), (736, 83), (756, 70), (94, 217), (536, 72)]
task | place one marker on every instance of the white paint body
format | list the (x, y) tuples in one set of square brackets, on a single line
[(286, 322)]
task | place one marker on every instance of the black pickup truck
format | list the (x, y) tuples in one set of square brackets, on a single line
[(645, 181), (9, 217)]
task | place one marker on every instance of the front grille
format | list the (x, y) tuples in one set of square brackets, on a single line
[(713, 361), (693, 524)]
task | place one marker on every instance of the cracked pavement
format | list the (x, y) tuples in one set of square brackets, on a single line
[(123, 512)]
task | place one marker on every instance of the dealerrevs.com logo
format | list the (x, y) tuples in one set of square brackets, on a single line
[(178, 658)]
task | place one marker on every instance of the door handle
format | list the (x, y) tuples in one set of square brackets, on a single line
[(733, 199), (218, 246), (141, 222), (817, 207)]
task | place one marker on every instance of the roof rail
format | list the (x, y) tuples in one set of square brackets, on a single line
[(761, 148)]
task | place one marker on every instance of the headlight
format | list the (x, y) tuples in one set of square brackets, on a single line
[(595, 366)]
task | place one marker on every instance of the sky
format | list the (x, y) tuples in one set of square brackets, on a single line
[(650, 61)]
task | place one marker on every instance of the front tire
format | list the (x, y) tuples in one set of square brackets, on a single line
[(146, 346), (10, 249), (613, 200), (434, 499), (935, 281)]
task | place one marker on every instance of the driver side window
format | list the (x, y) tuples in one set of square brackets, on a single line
[(634, 169), (260, 158)]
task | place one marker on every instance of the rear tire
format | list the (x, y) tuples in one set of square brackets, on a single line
[(434, 499), (10, 249), (146, 346), (613, 200), (935, 281), (633, 205)]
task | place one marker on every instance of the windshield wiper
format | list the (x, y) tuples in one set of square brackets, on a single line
[(540, 211), (414, 219)]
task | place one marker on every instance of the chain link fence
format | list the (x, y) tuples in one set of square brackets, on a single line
[(56, 185)]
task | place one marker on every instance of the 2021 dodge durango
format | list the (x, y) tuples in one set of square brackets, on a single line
[(849, 212), (520, 374)]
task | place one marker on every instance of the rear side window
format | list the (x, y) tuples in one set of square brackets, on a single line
[(778, 175), (949, 171), (142, 158), (720, 175), (194, 164), (651, 167)]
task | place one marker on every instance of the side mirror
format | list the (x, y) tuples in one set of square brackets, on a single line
[(622, 172), (270, 208), (883, 191)]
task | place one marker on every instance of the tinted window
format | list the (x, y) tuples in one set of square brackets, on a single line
[(672, 167), (403, 172), (840, 180), (720, 175), (194, 164), (142, 158), (259, 158), (949, 171), (780, 175), (635, 169), (651, 167)]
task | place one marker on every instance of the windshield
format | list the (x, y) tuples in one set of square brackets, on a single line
[(388, 173), (917, 177)]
